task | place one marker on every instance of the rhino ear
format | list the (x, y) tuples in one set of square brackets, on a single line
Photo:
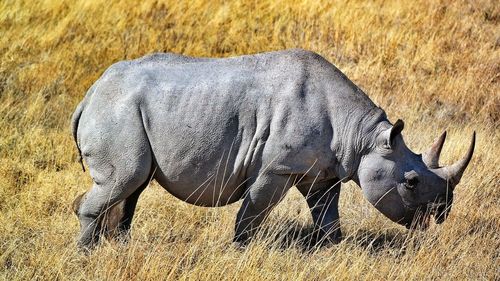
[(396, 130)]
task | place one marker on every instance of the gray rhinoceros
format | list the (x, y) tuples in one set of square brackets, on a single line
[(214, 131)]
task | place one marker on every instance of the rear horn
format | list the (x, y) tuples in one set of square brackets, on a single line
[(431, 156)]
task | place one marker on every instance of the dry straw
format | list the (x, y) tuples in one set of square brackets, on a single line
[(434, 64)]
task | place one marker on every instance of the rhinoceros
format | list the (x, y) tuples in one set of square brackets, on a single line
[(212, 131)]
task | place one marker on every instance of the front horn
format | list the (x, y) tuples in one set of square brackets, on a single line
[(453, 173), (431, 156)]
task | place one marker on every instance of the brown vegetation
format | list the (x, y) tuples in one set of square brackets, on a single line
[(434, 64)]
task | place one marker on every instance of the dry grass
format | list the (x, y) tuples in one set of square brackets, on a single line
[(435, 64)]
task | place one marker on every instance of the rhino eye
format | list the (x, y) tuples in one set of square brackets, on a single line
[(411, 179)]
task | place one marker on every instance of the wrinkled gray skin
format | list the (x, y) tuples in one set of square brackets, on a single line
[(214, 131)]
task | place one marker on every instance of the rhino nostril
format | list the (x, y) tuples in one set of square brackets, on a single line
[(411, 178), (413, 181)]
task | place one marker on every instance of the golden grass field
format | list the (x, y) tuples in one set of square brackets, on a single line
[(434, 64)]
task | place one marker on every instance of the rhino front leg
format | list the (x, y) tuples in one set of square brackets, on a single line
[(323, 203), (260, 198)]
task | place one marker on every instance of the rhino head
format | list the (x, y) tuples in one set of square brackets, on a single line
[(406, 187)]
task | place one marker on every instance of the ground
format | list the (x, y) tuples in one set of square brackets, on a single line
[(434, 64)]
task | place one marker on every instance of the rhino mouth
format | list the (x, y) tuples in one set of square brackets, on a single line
[(422, 216), (440, 211), (421, 219)]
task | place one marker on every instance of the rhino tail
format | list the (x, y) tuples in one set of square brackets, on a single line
[(75, 120), (74, 127)]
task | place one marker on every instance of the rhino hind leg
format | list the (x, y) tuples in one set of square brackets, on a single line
[(109, 217), (110, 223), (116, 221), (119, 172), (260, 198), (117, 224), (323, 204)]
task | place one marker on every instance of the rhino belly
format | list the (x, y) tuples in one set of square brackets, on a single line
[(200, 160)]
